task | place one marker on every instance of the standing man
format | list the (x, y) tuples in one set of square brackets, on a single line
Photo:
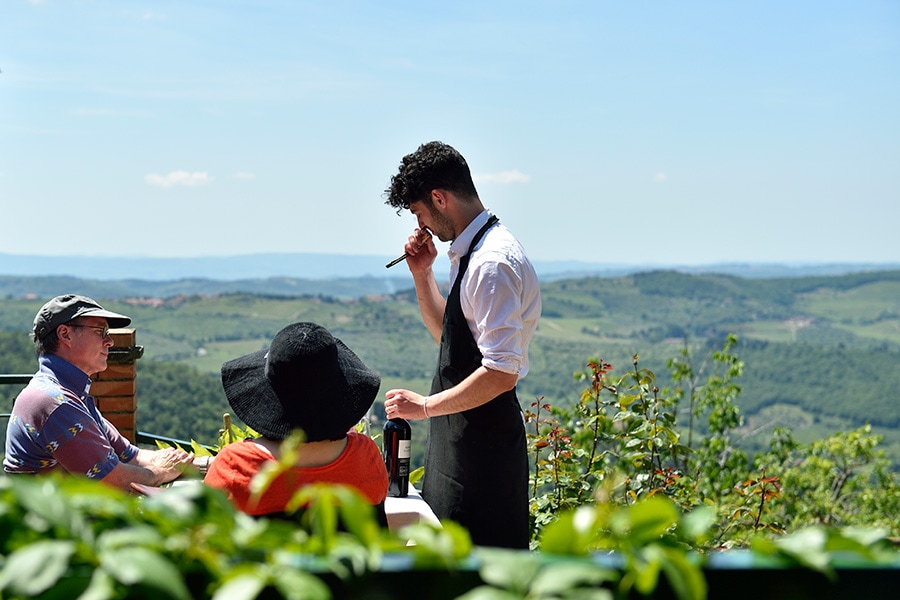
[(55, 423), (476, 468)]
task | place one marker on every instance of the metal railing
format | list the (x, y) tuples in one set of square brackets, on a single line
[(10, 379), (143, 437)]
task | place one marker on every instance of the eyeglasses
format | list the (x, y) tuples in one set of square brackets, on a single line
[(102, 331)]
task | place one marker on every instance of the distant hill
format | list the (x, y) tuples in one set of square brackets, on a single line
[(339, 276), (47, 287), (340, 266)]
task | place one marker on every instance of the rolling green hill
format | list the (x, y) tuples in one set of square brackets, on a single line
[(821, 353)]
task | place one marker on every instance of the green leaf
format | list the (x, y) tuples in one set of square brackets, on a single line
[(555, 580), (646, 521), (136, 535), (101, 587), (41, 498), (357, 515), (646, 573), (804, 540), (864, 535), (807, 547), (298, 585), (685, 577), (485, 592), (588, 594), (36, 568), (416, 475), (321, 514), (140, 566), (199, 450), (626, 400), (696, 524), (572, 533), (246, 586), (763, 546), (508, 569), (438, 546)]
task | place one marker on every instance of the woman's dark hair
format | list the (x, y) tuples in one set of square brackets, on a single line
[(432, 166)]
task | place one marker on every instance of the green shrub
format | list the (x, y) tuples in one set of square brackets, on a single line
[(633, 440)]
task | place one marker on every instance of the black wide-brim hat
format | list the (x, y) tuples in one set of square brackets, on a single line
[(307, 379)]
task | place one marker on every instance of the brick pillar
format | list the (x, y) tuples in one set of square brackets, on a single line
[(115, 389)]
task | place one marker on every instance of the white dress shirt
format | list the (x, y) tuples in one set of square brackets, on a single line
[(500, 295)]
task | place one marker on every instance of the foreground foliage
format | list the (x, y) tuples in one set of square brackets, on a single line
[(64, 537)]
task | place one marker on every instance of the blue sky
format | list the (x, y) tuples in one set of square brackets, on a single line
[(617, 132)]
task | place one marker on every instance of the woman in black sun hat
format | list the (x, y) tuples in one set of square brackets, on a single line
[(308, 380)]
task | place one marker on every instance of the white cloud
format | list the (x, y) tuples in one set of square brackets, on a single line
[(660, 178), (514, 176), (244, 175), (178, 178)]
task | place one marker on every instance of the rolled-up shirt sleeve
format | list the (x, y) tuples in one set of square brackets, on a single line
[(501, 302), (493, 298)]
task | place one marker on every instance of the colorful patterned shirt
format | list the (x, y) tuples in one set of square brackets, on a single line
[(55, 424)]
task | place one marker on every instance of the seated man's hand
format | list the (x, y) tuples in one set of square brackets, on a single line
[(150, 467), (169, 463)]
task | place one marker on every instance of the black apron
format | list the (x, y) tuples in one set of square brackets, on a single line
[(476, 466)]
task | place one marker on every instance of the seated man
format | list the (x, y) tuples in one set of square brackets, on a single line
[(305, 380), (55, 423)]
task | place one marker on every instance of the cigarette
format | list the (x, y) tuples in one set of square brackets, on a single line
[(426, 235)]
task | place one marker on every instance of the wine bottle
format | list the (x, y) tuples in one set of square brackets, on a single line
[(396, 444)]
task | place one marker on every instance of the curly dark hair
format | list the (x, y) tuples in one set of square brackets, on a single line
[(432, 166)]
